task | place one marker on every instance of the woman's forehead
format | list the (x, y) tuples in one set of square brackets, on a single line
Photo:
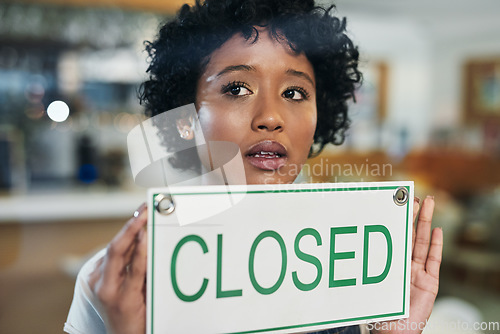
[(261, 50)]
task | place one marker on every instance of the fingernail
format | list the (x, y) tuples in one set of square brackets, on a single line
[(417, 199), (430, 197), (139, 210)]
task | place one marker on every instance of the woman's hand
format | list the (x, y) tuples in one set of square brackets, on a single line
[(119, 278), (425, 264)]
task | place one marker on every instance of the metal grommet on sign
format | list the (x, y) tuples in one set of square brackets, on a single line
[(164, 204), (400, 196)]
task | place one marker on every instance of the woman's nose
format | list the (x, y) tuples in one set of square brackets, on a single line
[(268, 116)]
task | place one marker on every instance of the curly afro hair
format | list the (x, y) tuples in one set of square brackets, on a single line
[(183, 47)]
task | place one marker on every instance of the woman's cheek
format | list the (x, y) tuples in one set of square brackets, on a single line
[(208, 120), (307, 125)]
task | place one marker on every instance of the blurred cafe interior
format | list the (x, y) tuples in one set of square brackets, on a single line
[(428, 111)]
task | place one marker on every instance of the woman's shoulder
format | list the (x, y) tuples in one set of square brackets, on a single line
[(84, 316)]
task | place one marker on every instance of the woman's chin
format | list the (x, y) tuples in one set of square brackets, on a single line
[(284, 174), (269, 177)]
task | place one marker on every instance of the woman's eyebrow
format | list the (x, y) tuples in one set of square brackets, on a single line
[(234, 68), (301, 75), (249, 68)]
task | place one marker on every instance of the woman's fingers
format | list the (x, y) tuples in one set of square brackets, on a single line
[(120, 249), (139, 263), (122, 241), (433, 262), (416, 206), (423, 231)]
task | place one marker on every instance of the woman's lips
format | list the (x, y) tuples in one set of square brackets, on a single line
[(267, 155)]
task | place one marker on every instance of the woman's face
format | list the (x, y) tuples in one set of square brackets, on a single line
[(261, 96)]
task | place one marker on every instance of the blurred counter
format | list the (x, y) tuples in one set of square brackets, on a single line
[(68, 206), (45, 237)]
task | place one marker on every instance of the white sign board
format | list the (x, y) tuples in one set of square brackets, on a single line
[(280, 259)]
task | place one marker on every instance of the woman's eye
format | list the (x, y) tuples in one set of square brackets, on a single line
[(236, 89), (239, 91), (294, 94)]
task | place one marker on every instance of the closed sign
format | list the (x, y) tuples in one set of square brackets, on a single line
[(278, 258)]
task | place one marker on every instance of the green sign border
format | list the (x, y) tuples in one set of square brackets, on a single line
[(292, 191)]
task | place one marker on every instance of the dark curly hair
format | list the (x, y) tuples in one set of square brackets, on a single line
[(183, 47)]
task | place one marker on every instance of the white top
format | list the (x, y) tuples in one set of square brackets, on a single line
[(83, 317)]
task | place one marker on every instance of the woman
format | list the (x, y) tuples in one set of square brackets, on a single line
[(273, 77)]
